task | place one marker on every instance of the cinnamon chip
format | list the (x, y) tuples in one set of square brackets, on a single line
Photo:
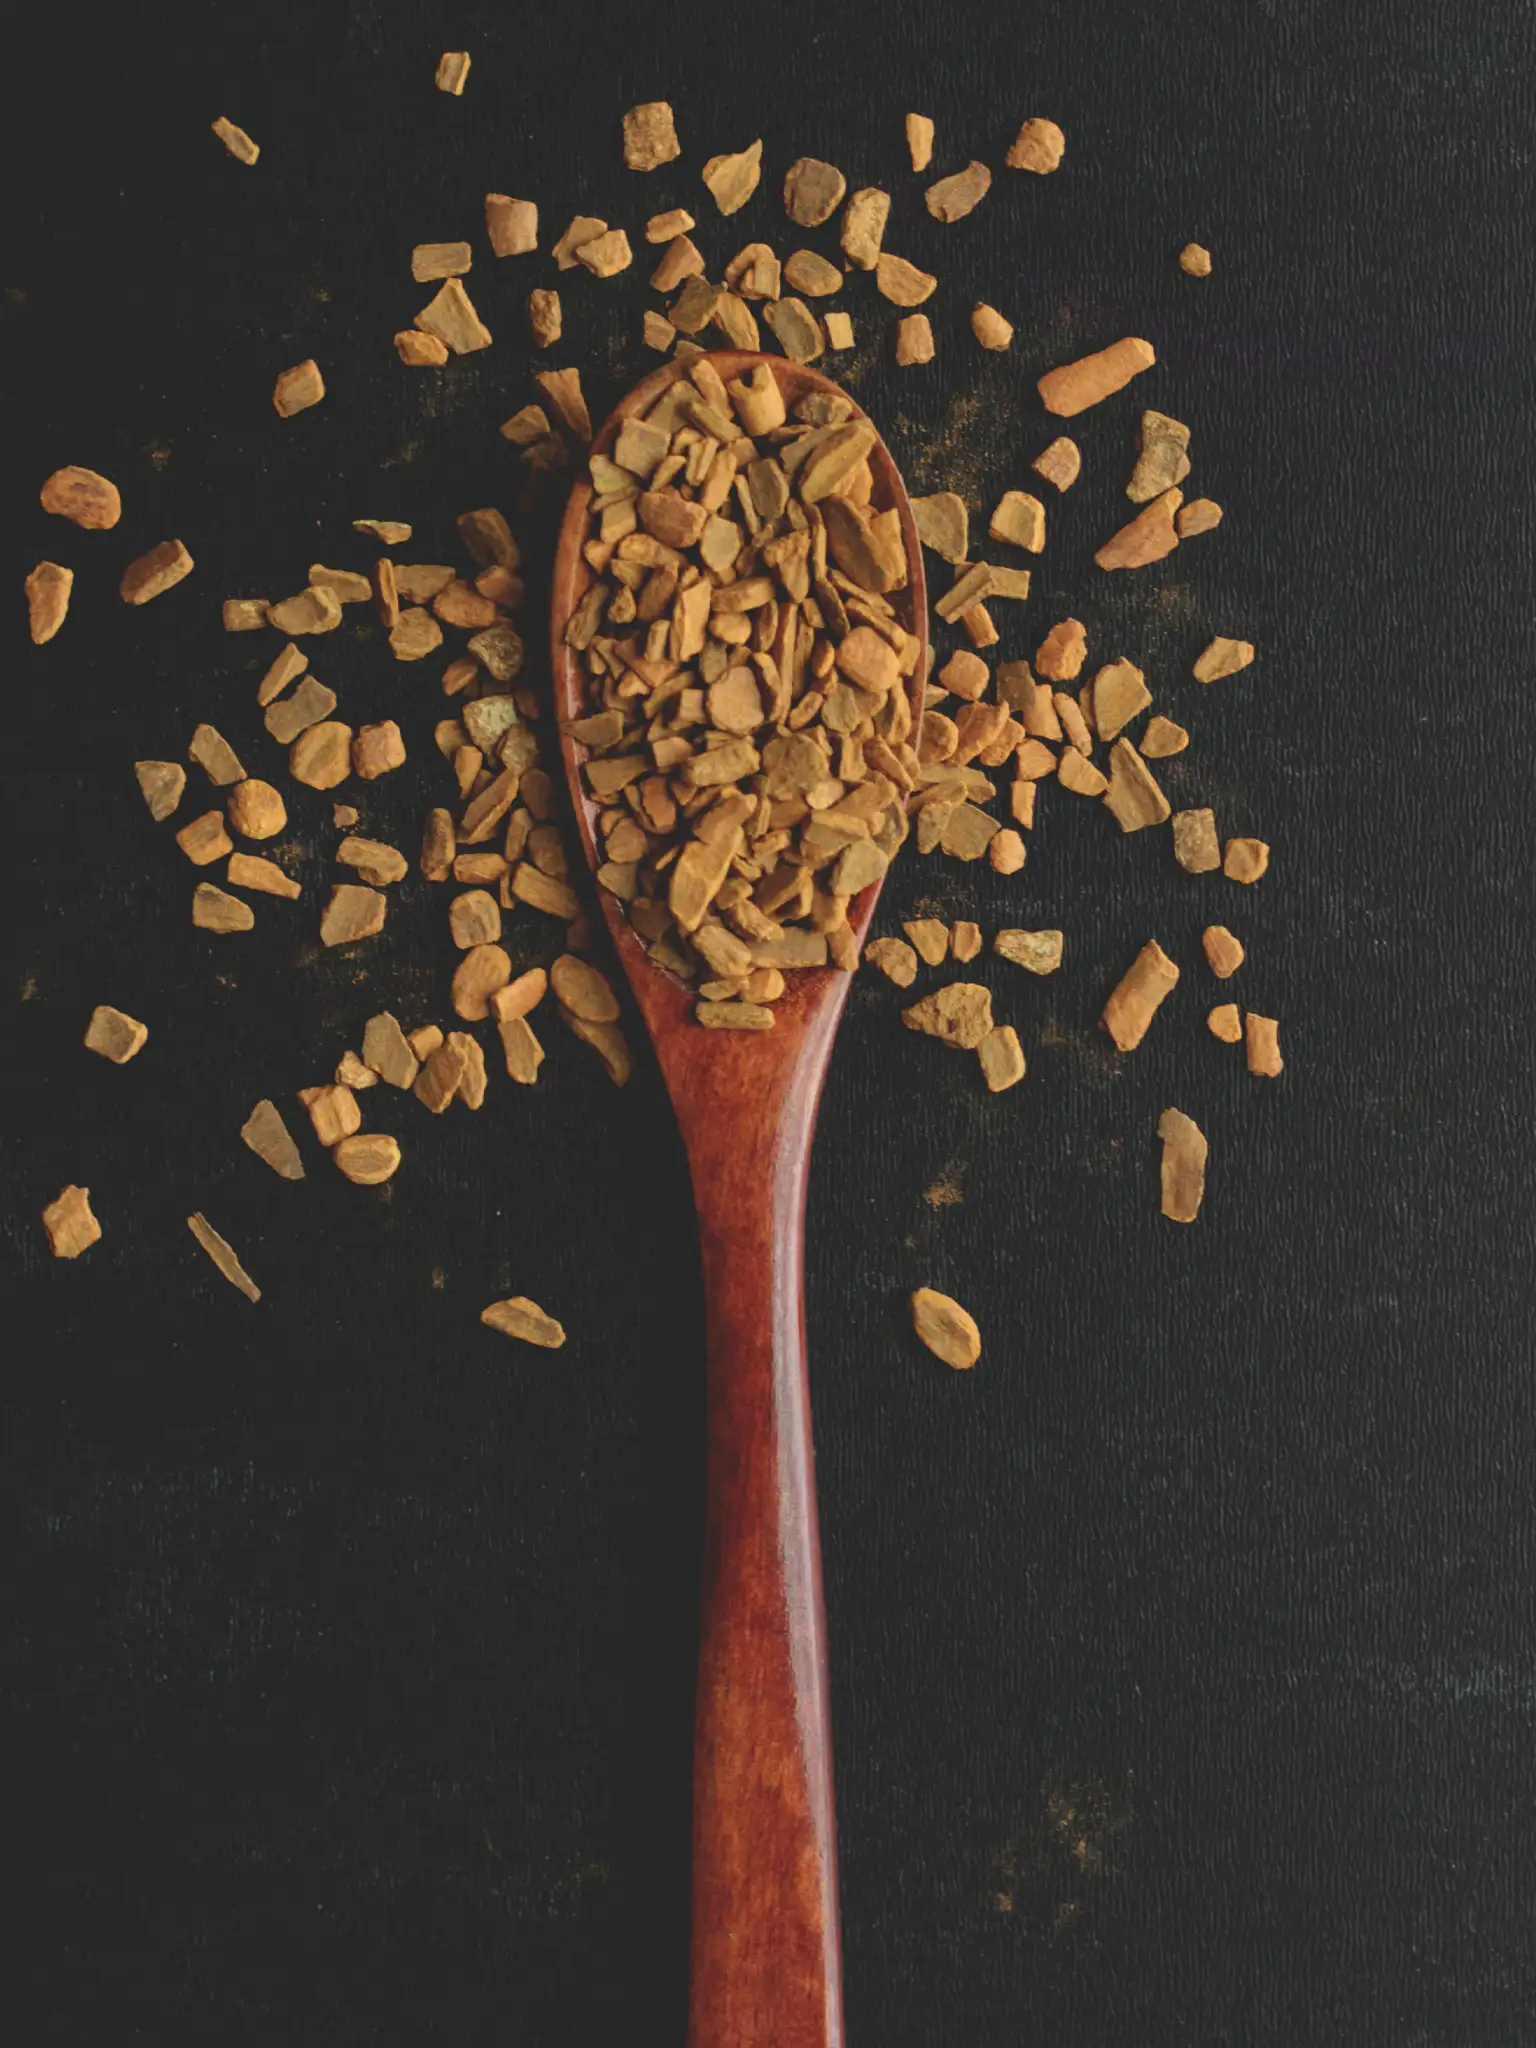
[(1225, 1023), (152, 574), (313, 609), (1076, 386), (947, 1329), (114, 1034), (453, 320), (245, 614), (296, 390), (290, 716), (376, 863), (47, 591), (353, 913), (1223, 952), (1195, 845), (321, 756), (215, 911), (564, 388), (920, 141), (1039, 952), (82, 497), (512, 225), (989, 326), (250, 871), (256, 810), (1223, 658), (1001, 1057), (1201, 515), (1162, 737), (813, 191), (964, 940), (367, 1159), (606, 255), (1146, 538), (664, 227), (733, 179), (70, 1225), (272, 1142), (1133, 798), (895, 959), (1019, 520), (1061, 654), (863, 229), (482, 971), (953, 198), (1183, 1168), (1163, 460), (452, 71), (902, 282), (930, 937), (1195, 261), (1038, 146), (235, 140), (942, 524), (223, 1256), (914, 340), (432, 260), (205, 840), (519, 1317), (420, 351), (388, 1052), (1245, 860), (959, 1014), (1134, 1000), (1263, 1045)]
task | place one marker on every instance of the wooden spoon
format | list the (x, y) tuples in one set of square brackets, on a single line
[(765, 1964)]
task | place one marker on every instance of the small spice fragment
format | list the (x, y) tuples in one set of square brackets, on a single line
[(1162, 737), (250, 871), (953, 198), (680, 261), (377, 749), (1200, 515), (914, 340), (1119, 693), (1133, 798), (1224, 1022), (584, 227), (1195, 261), (235, 140), (839, 330), (657, 333), (205, 840), (1076, 386), (1038, 146), (333, 1110), (69, 1223), (245, 614), (1146, 538), (389, 533), (115, 1035), (452, 71), (272, 1142), (214, 911), (290, 716), (1040, 952), (1061, 654), (663, 227), (351, 1073), (474, 919), (606, 255), (920, 141), (296, 390), (425, 1040), (959, 1014), (1007, 851), (520, 1048), (964, 939), (353, 913), (895, 959), (452, 318), (583, 989), (650, 136), (321, 756), (1263, 1043), (472, 1078), (949, 1332), (47, 588), (432, 260), (256, 810), (519, 1317), (1183, 1168), (376, 863), (1019, 520), (863, 229), (813, 191), (158, 571), (414, 635), (930, 937), (83, 497), (607, 1041), (368, 1159), (1223, 658), (1059, 464), (420, 351), (808, 272), (482, 971), (1195, 845), (1223, 952), (511, 225), (902, 282), (734, 1016), (222, 1255), (733, 179), (442, 1070), (1002, 1058), (989, 326), (1245, 860), (1134, 1000), (388, 1051), (313, 609), (942, 524), (564, 387), (796, 328)]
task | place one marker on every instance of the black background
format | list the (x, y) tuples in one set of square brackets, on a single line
[(1181, 1658)]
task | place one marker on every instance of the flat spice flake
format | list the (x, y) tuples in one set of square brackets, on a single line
[(1119, 693), (953, 198), (1161, 737), (1195, 261), (948, 1330), (1133, 798), (70, 1225), (150, 575), (863, 228), (1076, 386), (296, 390), (387, 1051), (250, 871), (223, 1256), (942, 524), (650, 136), (663, 227), (1163, 459), (1038, 952), (314, 609), (235, 140), (1061, 654), (353, 913), (930, 937), (1039, 146), (606, 255), (114, 1034), (813, 191), (1196, 847), (1059, 464), (1135, 999), (272, 1142), (432, 260), (451, 317), (563, 387), (1223, 658), (83, 497), (511, 225), (321, 756), (519, 1317), (452, 71), (367, 1158), (215, 756), (839, 330), (310, 703), (902, 282), (1225, 1022), (732, 179), (1020, 521), (1183, 1167), (1200, 515), (1263, 1045), (1245, 860), (420, 351), (215, 911), (919, 141), (893, 958), (245, 614), (1223, 952), (989, 326), (204, 840), (796, 329), (48, 589), (1146, 538), (1002, 1058), (959, 1014)]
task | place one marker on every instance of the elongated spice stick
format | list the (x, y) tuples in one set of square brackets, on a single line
[(1076, 386), (1134, 1002)]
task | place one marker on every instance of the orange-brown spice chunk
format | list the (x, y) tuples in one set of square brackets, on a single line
[(1146, 538), (1134, 1000), (83, 497), (1263, 1036), (1183, 1167), (1076, 386), (69, 1223), (1223, 952), (48, 588), (1225, 1023), (296, 390), (650, 136), (1039, 146), (1246, 860), (149, 575)]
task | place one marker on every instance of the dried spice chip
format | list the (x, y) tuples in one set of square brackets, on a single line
[(452, 318), (1059, 464), (1133, 798), (520, 1048), (377, 749), (442, 1070), (250, 871), (1061, 654), (114, 1034), (967, 832), (1224, 1022), (964, 939), (895, 959), (420, 351), (1134, 1000), (353, 913), (161, 784), (376, 863), (1076, 386), (310, 610), (296, 390), (214, 911), (432, 260), (914, 340), (966, 675), (808, 272), (223, 1256), (437, 845), (351, 1073), (415, 635), (1070, 717), (863, 227), (564, 388), (989, 326), (664, 227), (520, 996), (902, 282), (245, 614), (1223, 658), (734, 1015), (732, 179), (607, 1041), (839, 330), (1245, 860), (70, 1225), (387, 1051), (584, 990), (584, 227), (272, 1142), (256, 811), (474, 919), (152, 574), (954, 197), (83, 497), (452, 71), (813, 191), (1183, 1168), (205, 840), (650, 136), (310, 702), (482, 971), (1200, 515), (1021, 801), (959, 1014), (930, 937), (1163, 459), (1119, 693), (1162, 737), (321, 756), (512, 225), (47, 591), (949, 1332), (1195, 845), (1223, 952), (796, 329), (1040, 952), (1195, 261), (1019, 520), (1038, 146), (1001, 1057), (1146, 538), (1262, 1035), (425, 1040), (368, 1159), (519, 1317), (658, 333), (606, 255), (920, 141), (235, 140), (333, 1110), (1007, 852), (389, 533)]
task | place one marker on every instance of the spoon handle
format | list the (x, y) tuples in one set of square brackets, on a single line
[(766, 1967)]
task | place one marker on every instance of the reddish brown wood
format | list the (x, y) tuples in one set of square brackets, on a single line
[(765, 1970)]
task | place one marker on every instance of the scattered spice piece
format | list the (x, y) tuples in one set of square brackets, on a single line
[(1133, 798), (1225, 1023), (256, 811), (321, 756), (650, 136), (1223, 658), (734, 1016), (377, 749), (733, 179), (48, 589), (959, 1014), (82, 497), (1163, 459), (245, 614), (920, 141), (1195, 261), (432, 260), (474, 919), (222, 1255), (520, 1048), (452, 70), (115, 1035), (272, 1142), (482, 971), (388, 1052), (205, 840), (351, 1073), (511, 225), (376, 863), (1263, 1037), (680, 261), (235, 140), (564, 388), (1074, 725), (437, 846), (519, 1317), (663, 227), (813, 191), (796, 328), (1134, 1000), (1201, 515), (250, 871), (415, 635), (152, 574), (1223, 952), (584, 227), (1061, 654), (808, 272), (299, 388), (902, 282), (352, 913), (930, 937), (606, 255), (425, 1041), (214, 911), (607, 1041), (454, 321), (1039, 952), (863, 229), (69, 1223), (895, 959), (1059, 464), (472, 1080), (1162, 737), (442, 1070), (964, 940), (420, 351), (1021, 801), (954, 197), (949, 1332), (1076, 386), (1245, 860), (333, 1110), (914, 340), (1119, 693), (584, 990), (290, 716), (658, 333), (1195, 845), (389, 533), (1002, 1058), (1038, 146), (942, 524), (369, 1159), (314, 609), (1146, 538), (839, 330), (989, 326), (1020, 521), (1007, 851), (1183, 1169)]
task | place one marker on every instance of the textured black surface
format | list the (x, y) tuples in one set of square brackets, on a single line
[(1181, 1654)]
